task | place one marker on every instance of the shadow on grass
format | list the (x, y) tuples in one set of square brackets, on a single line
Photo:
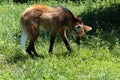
[(64, 54), (105, 23), (106, 19), (16, 58), (20, 57)]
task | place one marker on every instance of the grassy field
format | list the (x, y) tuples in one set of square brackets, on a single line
[(97, 58)]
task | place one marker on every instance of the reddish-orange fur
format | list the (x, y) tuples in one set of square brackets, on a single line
[(57, 19)]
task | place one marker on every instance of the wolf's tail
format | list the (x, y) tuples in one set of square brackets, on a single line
[(23, 38)]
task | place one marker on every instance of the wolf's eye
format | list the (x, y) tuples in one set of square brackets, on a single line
[(78, 29)]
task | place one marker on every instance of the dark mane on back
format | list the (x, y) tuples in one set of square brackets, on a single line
[(67, 11)]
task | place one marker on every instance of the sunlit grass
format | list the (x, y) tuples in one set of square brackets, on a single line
[(92, 60)]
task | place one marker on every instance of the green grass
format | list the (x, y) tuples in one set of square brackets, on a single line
[(95, 59)]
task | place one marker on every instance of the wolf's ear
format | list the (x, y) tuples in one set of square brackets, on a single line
[(87, 28), (78, 28)]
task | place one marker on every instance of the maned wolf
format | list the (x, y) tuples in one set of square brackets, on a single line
[(58, 19)]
